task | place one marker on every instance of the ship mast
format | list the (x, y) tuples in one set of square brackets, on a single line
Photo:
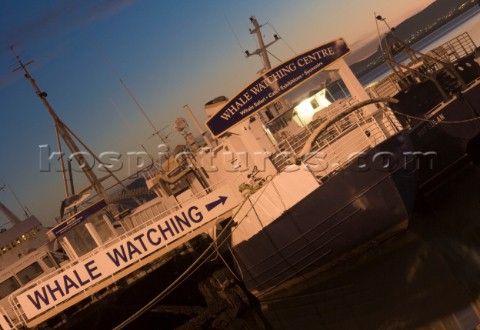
[(262, 48), (11, 217), (414, 56), (273, 110), (64, 132)]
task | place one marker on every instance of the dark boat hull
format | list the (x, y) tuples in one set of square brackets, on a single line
[(449, 135), (351, 209), (192, 304)]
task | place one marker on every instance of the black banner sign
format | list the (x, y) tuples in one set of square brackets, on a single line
[(274, 83)]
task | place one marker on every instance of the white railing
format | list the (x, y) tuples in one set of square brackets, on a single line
[(355, 132), (155, 216), (388, 87), (338, 151), (147, 216), (6, 322), (455, 49), (449, 52)]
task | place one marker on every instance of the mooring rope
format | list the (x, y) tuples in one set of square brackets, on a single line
[(196, 264), (435, 121)]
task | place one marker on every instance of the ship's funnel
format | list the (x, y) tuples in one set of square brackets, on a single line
[(9, 215)]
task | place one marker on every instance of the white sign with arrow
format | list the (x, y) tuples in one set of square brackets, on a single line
[(196, 216)]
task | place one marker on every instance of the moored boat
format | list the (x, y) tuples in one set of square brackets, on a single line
[(100, 250), (439, 97), (296, 175), (321, 177)]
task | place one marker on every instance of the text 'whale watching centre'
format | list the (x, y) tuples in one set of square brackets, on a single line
[(274, 83)]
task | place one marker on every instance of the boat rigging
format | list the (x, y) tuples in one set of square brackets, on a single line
[(69, 137)]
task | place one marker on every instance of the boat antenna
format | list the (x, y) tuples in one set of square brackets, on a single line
[(384, 20), (156, 131), (23, 207), (234, 34), (262, 47), (378, 18), (386, 54), (67, 136), (391, 30), (286, 43), (125, 121), (262, 51)]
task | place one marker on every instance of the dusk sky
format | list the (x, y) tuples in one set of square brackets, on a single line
[(169, 53)]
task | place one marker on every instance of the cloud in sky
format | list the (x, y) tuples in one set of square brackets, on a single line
[(65, 17)]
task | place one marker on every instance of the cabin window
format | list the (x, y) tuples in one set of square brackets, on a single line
[(8, 286), (29, 273), (103, 230), (81, 240), (48, 262)]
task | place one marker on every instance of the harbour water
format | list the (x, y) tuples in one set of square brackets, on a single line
[(427, 278)]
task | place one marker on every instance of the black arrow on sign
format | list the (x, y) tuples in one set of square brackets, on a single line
[(212, 205)]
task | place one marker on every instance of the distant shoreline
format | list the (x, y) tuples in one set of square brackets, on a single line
[(361, 69)]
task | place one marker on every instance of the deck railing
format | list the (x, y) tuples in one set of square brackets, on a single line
[(355, 132), (455, 49), (146, 217), (6, 322), (449, 52)]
